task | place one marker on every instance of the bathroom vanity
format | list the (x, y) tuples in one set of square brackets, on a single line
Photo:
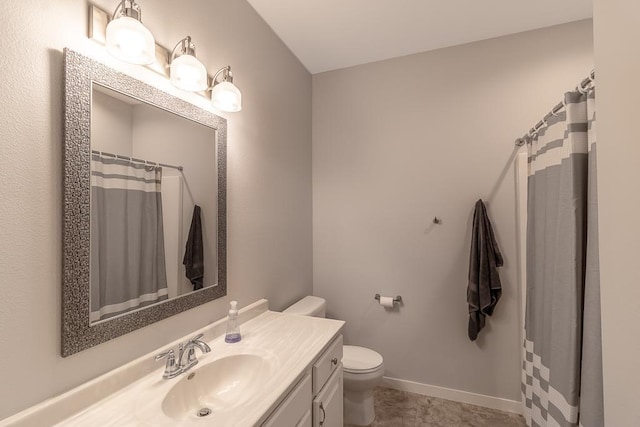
[(322, 386), (286, 371)]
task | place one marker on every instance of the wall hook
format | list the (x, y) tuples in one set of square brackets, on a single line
[(437, 220)]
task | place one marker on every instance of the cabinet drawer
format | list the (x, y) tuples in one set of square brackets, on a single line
[(294, 410), (326, 364)]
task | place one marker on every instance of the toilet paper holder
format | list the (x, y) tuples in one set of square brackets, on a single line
[(396, 300)]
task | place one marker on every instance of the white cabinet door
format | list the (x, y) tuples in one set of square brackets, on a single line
[(306, 420), (327, 406), (293, 411)]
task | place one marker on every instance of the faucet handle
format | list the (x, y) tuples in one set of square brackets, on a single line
[(168, 354), (196, 338), (171, 368)]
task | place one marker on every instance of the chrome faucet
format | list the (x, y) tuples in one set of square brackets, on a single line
[(189, 351), (186, 357)]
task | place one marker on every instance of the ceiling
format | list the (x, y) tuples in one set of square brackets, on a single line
[(330, 34)]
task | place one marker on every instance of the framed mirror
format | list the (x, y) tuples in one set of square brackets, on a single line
[(144, 205)]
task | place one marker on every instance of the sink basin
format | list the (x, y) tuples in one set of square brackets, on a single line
[(218, 386)]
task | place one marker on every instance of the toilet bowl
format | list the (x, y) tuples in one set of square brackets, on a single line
[(363, 368)]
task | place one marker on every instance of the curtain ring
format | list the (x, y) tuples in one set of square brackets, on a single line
[(564, 105), (556, 113), (582, 89)]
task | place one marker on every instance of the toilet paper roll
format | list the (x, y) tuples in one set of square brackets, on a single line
[(386, 301)]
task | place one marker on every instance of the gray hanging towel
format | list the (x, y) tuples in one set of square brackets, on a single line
[(484, 288), (194, 251)]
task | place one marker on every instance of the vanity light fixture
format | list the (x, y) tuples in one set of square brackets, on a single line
[(126, 38), (186, 71), (225, 96)]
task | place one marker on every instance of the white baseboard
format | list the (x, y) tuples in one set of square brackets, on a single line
[(507, 405)]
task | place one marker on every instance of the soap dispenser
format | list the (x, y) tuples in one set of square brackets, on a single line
[(233, 328)]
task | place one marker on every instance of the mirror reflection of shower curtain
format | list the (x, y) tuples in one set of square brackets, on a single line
[(562, 366), (127, 238)]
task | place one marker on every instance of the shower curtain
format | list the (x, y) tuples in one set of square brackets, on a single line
[(127, 239), (562, 366)]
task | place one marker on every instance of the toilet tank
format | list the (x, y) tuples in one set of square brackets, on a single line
[(309, 306)]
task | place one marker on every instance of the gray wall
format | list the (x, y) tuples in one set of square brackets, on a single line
[(617, 57), (398, 142), (269, 180)]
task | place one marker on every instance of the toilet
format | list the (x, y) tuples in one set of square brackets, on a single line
[(362, 367)]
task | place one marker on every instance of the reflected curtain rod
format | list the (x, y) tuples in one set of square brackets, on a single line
[(583, 87), (134, 160)]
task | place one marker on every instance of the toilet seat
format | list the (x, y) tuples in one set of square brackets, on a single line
[(360, 360)]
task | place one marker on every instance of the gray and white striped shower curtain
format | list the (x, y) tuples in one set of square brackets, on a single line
[(562, 366), (127, 240)]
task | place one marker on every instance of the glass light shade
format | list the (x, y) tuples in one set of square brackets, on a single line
[(187, 73), (225, 96), (130, 41)]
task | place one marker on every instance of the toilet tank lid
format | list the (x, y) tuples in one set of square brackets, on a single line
[(356, 358), (307, 306)]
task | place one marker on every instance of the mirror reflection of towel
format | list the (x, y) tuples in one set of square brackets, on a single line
[(194, 251), (485, 288)]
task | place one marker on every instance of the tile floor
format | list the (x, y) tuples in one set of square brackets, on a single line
[(402, 409)]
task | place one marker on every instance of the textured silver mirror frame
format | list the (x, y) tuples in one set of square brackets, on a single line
[(79, 74)]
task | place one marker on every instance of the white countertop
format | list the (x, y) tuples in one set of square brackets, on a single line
[(290, 343)]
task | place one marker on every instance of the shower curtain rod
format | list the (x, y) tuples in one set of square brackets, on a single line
[(584, 85), (134, 160)]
